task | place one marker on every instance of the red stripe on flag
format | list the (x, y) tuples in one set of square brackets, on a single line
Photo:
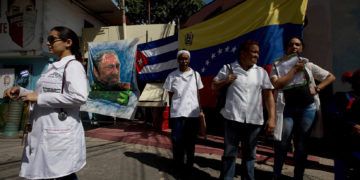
[(207, 95), (141, 61)]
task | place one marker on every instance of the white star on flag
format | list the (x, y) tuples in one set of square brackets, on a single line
[(203, 69), (207, 62), (140, 62), (227, 48), (233, 49), (213, 55), (219, 51)]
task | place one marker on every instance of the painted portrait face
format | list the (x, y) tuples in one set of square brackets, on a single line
[(108, 70), (21, 15)]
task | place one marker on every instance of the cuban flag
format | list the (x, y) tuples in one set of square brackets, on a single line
[(214, 42), (156, 59)]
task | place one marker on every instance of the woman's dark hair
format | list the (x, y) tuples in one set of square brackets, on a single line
[(287, 41), (66, 33)]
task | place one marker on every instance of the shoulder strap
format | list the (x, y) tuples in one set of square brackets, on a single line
[(306, 74), (63, 82), (276, 71), (64, 74), (230, 68)]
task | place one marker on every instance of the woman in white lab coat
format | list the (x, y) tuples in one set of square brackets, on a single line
[(55, 146)]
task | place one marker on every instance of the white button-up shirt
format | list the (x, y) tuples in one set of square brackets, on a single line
[(184, 102), (244, 95), (56, 148)]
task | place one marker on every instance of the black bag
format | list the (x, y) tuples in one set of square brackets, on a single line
[(221, 94), (299, 96)]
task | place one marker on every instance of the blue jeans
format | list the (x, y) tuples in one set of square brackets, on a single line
[(183, 136), (297, 123), (234, 133)]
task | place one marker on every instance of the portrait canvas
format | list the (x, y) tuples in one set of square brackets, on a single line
[(113, 89)]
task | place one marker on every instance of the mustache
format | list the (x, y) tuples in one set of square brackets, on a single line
[(113, 76)]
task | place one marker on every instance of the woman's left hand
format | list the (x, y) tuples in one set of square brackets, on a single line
[(313, 90), (32, 97)]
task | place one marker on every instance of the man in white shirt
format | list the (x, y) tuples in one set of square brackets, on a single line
[(247, 85), (183, 85)]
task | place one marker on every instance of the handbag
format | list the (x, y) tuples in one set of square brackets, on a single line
[(202, 121), (298, 95)]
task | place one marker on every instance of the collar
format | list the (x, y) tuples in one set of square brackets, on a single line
[(63, 61), (236, 64), (186, 73)]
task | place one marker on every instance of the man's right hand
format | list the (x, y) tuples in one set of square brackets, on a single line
[(217, 84), (12, 93), (230, 78)]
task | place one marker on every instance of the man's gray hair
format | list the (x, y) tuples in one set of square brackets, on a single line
[(98, 57)]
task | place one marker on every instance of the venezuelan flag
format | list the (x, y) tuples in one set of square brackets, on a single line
[(215, 42)]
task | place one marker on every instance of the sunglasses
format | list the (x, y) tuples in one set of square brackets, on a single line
[(52, 39)]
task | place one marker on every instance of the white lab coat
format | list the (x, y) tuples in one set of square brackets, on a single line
[(56, 148)]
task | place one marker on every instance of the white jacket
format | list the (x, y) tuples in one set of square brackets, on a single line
[(56, 148), (315, 72)]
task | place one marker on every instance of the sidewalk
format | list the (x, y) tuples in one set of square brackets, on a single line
[(131, 150), (209, 150)]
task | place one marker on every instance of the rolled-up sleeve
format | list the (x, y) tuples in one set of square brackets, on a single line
[(319, 73), (24, 91), (168, 85)]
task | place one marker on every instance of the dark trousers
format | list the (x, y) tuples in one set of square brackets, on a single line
[(68, 177), (183, 136)]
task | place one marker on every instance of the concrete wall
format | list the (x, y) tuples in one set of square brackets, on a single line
[(64, 13), (332, 37), (144, 33), (154, 31), (49, 13), (317, 34), (345, 27), (53, 13)]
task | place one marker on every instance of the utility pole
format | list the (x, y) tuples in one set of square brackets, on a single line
[(149, 14), (123, 16)]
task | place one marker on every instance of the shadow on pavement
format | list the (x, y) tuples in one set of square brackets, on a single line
[(165, 164)]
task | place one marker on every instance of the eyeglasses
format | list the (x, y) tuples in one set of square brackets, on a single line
[(52, 39)]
